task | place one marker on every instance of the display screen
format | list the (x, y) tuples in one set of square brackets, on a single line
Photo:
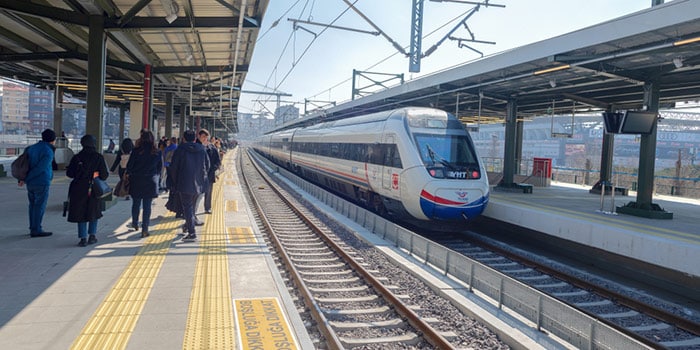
[(638, 122)]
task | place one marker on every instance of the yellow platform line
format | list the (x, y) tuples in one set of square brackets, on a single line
[(232, 205), (240, 235), (112, 324), (210, 323)]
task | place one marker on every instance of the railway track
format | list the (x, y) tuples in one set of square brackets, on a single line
[(651, 325), (350, 306)]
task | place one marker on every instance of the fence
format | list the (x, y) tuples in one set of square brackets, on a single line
[(507, 294)]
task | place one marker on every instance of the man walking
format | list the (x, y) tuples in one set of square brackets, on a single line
[(189, 170), (214, 164), (41, 156)]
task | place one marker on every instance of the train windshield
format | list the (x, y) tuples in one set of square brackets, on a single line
[(448, 156)]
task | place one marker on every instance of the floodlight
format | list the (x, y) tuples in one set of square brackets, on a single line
[(171, 18), (678, 62)]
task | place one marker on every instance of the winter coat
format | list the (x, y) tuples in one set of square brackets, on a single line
[(144, 173), (81, 207), (40, 158), (189, 168), (214, 162)]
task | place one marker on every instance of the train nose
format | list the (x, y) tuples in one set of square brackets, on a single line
[(452, 204)]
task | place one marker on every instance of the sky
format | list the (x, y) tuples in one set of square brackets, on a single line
[(316, 63)]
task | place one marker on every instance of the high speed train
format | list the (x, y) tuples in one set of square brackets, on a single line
[(415, 164)]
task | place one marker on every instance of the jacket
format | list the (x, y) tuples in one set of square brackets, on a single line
[(168, 154), (214, 162), (144, 172), (189, 168), (82, 207), (40, 159)]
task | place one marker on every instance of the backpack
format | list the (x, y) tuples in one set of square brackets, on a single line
[(20, 166)]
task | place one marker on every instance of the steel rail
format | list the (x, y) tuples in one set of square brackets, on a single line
[(332, 340), (428, 332)]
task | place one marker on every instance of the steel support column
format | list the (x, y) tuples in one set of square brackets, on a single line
[(169, 100), (606, 165), (183, 124), (58, 111), (510, 145), (97, 59), (416, 36), (647, 160)]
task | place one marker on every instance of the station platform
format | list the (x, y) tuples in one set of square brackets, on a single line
[(221, 292), (572, 214)]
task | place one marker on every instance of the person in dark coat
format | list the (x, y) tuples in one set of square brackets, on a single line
[(84, 208), (189, 170), (214, 164), (122, 158), (143, 168)]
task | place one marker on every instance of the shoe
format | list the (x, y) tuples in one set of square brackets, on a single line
[(40, 234), (133, 226), (190, 238), (208, 211), (144, 234), (198, 222), (82, 243), (92, 239)]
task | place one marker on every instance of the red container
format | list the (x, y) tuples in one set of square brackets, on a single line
[(542, 167)]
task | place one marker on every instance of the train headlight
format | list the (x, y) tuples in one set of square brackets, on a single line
[(475, 174), (436, 172)]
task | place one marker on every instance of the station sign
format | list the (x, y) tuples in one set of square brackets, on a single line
[(71, 106)]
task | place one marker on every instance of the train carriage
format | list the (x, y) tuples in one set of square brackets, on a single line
[(410, 163)]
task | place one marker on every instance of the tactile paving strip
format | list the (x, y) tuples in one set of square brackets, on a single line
[(112, 324), (210, 323)]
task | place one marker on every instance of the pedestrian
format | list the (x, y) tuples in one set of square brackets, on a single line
[(38, 180), (144, 168), (189, 171), (122, 158), (110, 148), (214, 164), (83, 207), (167, 159)]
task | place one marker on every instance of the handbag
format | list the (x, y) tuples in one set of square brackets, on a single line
[(121, 189), (100, 188)]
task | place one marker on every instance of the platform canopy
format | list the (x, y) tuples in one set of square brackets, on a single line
[(204, 43), (593, 69)]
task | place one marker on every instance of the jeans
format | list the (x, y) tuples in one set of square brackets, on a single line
[(207, 195), (136, 207), (84, 229), (38, 196)]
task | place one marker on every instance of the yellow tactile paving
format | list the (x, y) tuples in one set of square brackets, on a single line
[(262, 325), (240, 235), (232, 205), (114, 320), (210, 323)]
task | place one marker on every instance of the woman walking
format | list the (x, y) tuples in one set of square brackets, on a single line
[(122, 158), (145, 163), (85, 208)]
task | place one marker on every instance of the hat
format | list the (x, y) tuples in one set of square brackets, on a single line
[(88, 141), (48, 135), (189, 135)]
